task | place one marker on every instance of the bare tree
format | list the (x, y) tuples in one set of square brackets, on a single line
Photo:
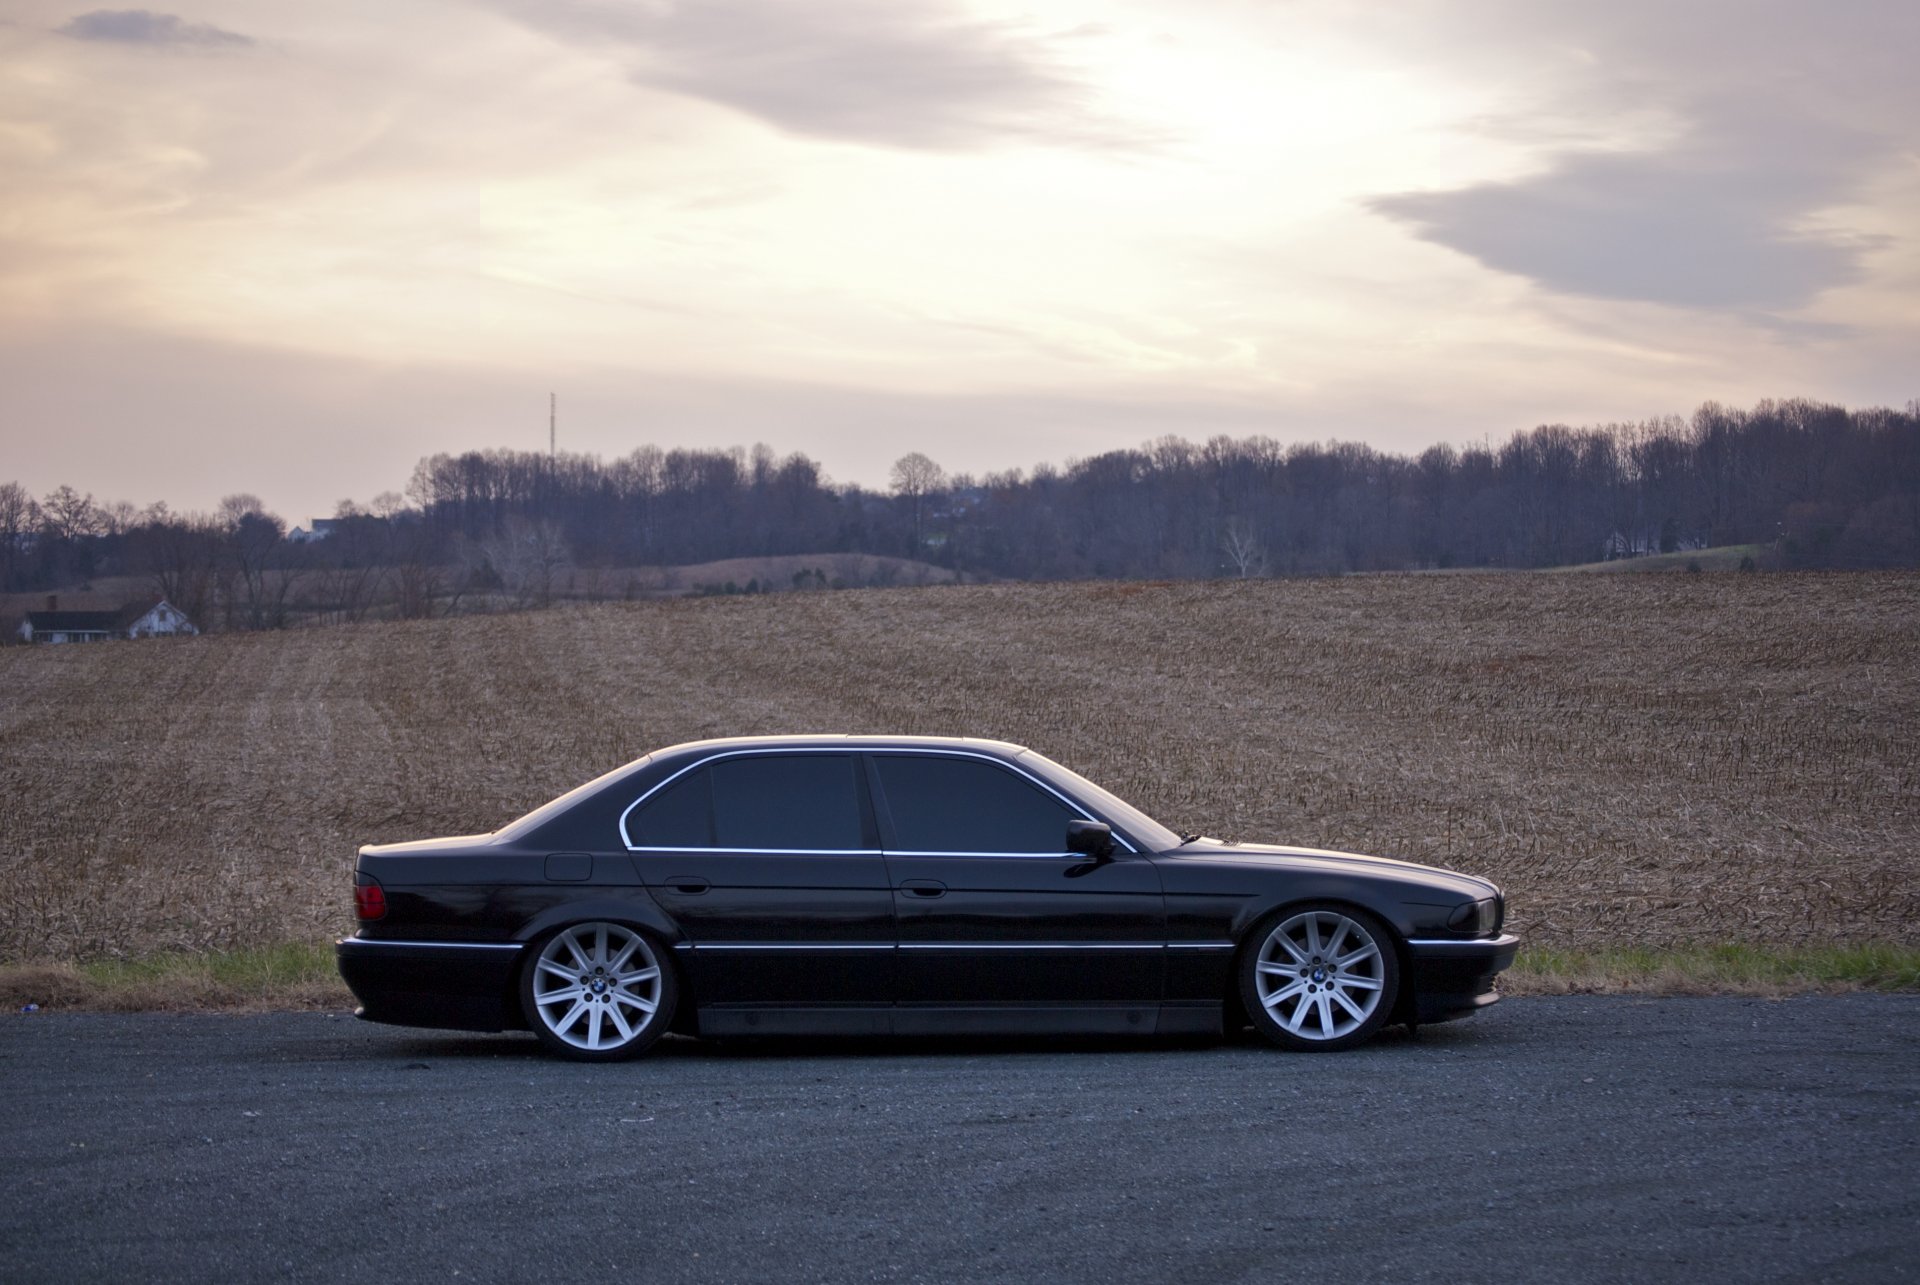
[(235, 507), (528, 557), (19, 518), (915, 477), (417, 586), (352, 563), (68, 515), (419, 571), (388, 505), (180, 557), (1243, 549), (264, 566), (117, 517)]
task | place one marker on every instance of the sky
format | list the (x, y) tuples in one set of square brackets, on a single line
[(290, 249)]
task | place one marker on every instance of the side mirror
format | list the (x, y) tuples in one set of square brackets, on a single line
[(1090, 839)]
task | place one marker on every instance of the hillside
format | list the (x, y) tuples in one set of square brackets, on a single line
[(1728, 557), (1642, 759)]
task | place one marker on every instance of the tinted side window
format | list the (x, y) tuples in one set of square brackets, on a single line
[(680, 816), (964, 805), (787, 801)]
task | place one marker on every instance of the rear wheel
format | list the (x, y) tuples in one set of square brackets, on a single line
[(598, 992), (1319, 977)]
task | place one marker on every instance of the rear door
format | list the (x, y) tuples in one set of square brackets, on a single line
[(771, 864), (993, 912)]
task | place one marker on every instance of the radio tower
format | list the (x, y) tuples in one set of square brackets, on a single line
[(553, 422)]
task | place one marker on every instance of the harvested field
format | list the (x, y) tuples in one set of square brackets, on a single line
[(1640, 760)]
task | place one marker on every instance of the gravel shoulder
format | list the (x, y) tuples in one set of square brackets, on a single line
[(1562, 1139)]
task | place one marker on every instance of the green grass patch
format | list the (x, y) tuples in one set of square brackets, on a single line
[(288, 975), (1717, 970), (267, 969), (1724, 557)]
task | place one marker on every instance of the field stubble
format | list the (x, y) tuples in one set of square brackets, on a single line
[(1640, 761)]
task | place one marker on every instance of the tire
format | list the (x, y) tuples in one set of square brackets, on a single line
[(1319, 977), (599, 992)]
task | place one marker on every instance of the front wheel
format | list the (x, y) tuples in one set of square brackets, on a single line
[(1319, 977), (598, 992)]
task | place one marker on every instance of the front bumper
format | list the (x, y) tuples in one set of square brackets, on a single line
[(1455, 978), (461, 986)]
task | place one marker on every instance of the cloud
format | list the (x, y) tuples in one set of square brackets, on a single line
[(1772, 117), (869, 71), (1711, 223), (144, 27)]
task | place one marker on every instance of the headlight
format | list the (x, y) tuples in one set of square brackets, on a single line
[(1476, 917)]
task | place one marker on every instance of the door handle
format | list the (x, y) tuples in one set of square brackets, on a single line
[(924, 888), (692, 885)]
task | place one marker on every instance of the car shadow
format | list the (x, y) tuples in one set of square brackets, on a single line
[(425, 1047)]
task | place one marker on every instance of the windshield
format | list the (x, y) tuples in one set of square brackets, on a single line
[(1122, 813)]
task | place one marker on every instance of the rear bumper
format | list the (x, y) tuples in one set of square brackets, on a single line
[(459, 986), (1453, 979)]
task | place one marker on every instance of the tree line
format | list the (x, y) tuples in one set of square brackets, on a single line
[(1810, 484)]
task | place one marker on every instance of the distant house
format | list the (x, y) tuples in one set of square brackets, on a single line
[(321, 529), (1637, 545), (152, 618), (1644, 544)]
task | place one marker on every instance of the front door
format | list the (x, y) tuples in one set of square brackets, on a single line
[(995, 916)]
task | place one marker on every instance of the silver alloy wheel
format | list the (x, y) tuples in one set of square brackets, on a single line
[(597, 986), (1320, 975)]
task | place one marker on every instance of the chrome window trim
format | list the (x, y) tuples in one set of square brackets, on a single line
[(867, 852), (1019, 856), (792, 751)]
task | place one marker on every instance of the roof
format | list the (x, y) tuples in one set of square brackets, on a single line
[(73, 622), (138, 608), (673, 758), (841, 740)]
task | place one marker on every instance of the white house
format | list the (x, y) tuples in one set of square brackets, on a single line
[(1643, 544), (153, 618), (1637, 545), (322, 528)]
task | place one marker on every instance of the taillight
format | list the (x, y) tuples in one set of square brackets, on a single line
[(369, 898)]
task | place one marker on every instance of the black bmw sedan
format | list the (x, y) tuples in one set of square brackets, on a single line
[(903, 885)]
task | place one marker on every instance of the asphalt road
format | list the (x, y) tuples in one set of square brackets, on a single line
[(1545, 1140)]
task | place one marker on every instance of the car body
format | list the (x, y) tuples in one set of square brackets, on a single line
[(898, 885)]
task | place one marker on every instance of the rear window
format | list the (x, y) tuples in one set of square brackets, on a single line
[(787, 801), (680, 816), (792, 802)]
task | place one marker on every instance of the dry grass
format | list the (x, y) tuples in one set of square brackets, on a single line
[(1650, 761)]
